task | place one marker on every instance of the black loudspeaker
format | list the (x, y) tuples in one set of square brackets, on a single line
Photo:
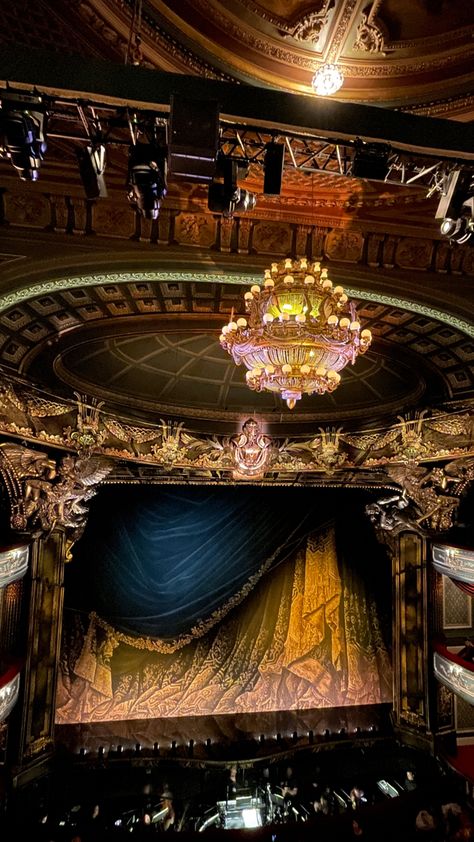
[(193, 139), (370, 160), (273, 168)]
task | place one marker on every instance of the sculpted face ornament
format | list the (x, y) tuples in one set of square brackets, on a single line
[(252, 450), (300, 333)]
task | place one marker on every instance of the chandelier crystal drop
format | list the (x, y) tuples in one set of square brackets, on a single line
[(327, 80), (300, 332)]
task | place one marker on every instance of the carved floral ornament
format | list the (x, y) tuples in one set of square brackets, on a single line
[(45, 492)]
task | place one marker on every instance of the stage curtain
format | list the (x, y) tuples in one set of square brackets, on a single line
[(306, 635), (163, 561)]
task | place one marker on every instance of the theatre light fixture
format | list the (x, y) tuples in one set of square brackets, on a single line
[(225, 195), (327, 80), (300, 332), (456, 207), (147, 178), (23, 132)]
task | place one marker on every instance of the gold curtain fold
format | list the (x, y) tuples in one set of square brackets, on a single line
[(305, 636)]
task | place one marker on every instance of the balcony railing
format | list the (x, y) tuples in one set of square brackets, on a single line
[(454, 672), (9, 689), (455, 562), (13, 564)]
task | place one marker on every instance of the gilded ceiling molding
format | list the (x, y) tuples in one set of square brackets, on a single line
[(174, 55), (337, 42), (371, 33), (34, 290)]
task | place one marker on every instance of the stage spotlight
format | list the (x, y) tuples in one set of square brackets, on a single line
[(82, 751), (119, 749), (146, 178), (225, 196), (456, 207), (101, 751), (91, 162), (23, 133), (370, 160)]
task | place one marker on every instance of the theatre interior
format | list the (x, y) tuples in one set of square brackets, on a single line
[(237, 419)]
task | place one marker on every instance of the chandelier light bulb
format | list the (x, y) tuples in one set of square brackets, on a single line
[(255, 289), (267, 318), (232, 326), (269, 283), (327, 284), (355, 325), (309, 280), (288, 279), (345, 322), (327, 80), (248, 296), (338, 290), (241, 322)]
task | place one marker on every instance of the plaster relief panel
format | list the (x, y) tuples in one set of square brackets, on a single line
[(344, 245), (414, 254), (195, 230), (271, 238)]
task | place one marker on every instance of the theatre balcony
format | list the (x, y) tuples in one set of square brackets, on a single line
[(457, 563), (454, 672)]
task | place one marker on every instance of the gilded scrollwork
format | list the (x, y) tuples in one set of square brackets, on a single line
[(371, 33), (87, 434)]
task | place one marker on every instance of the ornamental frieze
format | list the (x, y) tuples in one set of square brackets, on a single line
[(429, 459)]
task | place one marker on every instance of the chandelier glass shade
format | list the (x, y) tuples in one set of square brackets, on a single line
[(327, 80), (300, 332)]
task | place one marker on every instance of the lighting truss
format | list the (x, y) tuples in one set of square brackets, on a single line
[(73, 120)]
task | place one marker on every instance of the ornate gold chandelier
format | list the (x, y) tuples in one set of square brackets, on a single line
[(300, 332)]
